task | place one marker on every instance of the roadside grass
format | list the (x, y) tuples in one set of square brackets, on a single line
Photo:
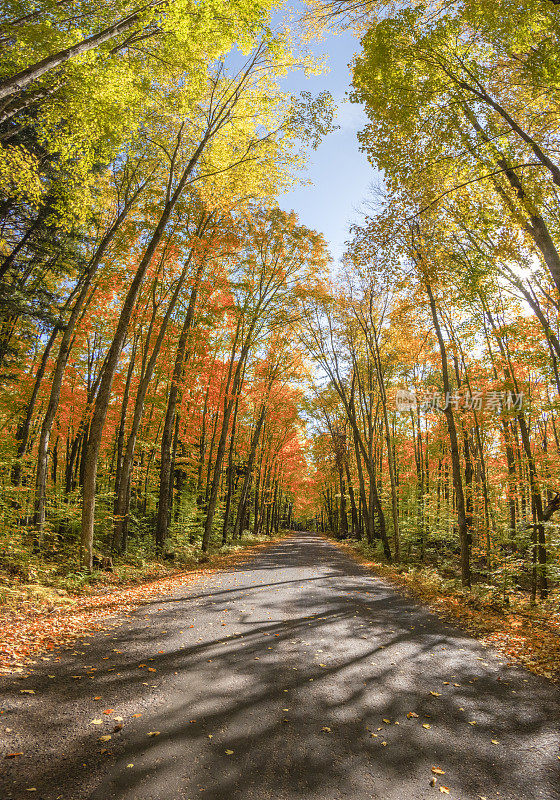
[(37, 618)]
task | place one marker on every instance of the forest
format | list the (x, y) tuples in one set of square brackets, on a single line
[(279, 399), (184, 367)]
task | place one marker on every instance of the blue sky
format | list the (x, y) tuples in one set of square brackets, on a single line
[(340, 173)]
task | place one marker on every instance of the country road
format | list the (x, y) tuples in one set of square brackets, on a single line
[(295, 674)]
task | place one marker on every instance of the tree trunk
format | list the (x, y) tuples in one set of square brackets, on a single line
[(181, 358), (104, 394), (454, 448)]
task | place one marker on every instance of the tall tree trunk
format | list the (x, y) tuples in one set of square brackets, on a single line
[(23, 430), (181, 359), (122, 509), (62, 360), (104, 394), (16, 83), (244, 495), (454, 448)]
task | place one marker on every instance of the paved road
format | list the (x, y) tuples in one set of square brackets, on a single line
[(291, 676)]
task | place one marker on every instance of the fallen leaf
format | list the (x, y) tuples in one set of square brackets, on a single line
[(425, 725), (96, 722), (108, 710), (137, 715), (495, 741), (438, 771), (412, 715), (153, 733), (228, 752), (326, 729), (105, 738), (444, 789), (118, 728), (436, 694), (12, 755), (28, 691)]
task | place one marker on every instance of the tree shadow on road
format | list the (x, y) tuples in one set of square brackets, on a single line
[(340, 688)]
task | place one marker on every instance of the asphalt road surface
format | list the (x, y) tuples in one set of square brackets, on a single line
[(296, 674)]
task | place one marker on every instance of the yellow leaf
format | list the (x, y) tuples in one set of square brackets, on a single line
[(425, 725), (229, 752), (438, 771), (105, 738), (154, 733), (444, 789), (96, 722), (412, 715)]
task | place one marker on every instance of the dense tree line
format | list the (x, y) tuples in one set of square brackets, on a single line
[(449, 294), (146, 272)]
